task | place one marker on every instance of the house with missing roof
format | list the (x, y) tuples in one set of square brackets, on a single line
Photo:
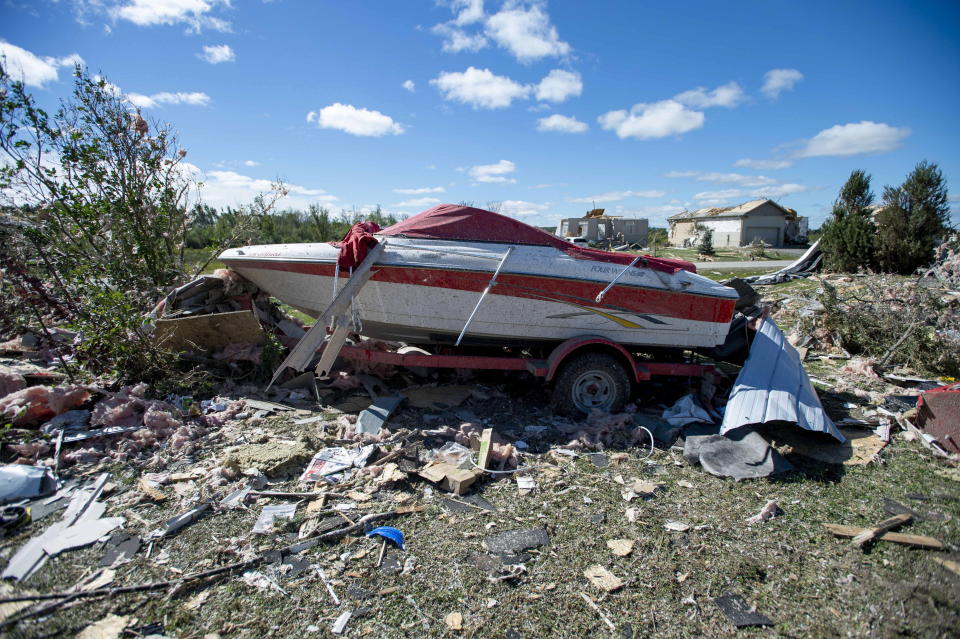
[(740, 225), (597, 226)]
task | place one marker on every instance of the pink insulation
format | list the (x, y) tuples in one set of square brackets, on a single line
[(861, 366), (41, 403), (11, 383), (603, 430)]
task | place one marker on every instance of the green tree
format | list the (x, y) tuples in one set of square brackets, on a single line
[(848, 237), (913, 217), (704, 239), (98, 196)]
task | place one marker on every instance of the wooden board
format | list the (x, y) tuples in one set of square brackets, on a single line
[(209, 333), (917, 541)]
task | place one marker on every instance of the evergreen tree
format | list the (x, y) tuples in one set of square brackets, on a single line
[(705, 243), (848, 237), (914, 216)]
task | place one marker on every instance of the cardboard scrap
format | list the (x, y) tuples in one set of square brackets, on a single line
[(209, 333), (603, 578), (454, 621), (456, 480), (620, 547)]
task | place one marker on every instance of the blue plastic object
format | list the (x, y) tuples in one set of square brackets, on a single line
[(389, 533)]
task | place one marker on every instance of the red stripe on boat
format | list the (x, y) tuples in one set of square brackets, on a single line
[(689, 306)]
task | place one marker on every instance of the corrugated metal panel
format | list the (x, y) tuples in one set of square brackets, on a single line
[(774, 387)]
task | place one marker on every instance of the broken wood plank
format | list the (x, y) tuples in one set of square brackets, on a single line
[(949, 564), (869, 534), (301, 354), (917, 541), (486, 448)]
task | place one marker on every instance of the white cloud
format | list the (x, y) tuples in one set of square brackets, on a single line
[(420, 201), (729, 95), (763, 165), (854, 139), (561, 124), (348, 118), (728, 178), (409, 86), (526, 32), (519, 208), (426, 189), (653, 120), (251, 163), (312, 116), (780, 190), (717, 196), (772, 191), (777, 80), (217, 54), (457, 40), (193, 13), (479, 88), (558, 85), (493, 173), (229, 188), (616, 196), (470, 11), (195, 98), (32, 70)]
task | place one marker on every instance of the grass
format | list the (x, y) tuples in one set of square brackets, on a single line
[(809, 583)]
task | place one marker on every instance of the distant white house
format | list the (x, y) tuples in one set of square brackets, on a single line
[(595, 226), (740, 225)]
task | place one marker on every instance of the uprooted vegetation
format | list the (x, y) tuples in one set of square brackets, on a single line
[(892, 321)]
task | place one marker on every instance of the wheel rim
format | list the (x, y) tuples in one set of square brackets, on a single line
[(594, 390)]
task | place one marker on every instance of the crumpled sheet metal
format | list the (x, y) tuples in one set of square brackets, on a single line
[(773, 387)]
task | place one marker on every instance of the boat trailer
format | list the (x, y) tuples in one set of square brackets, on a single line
[(588, 372)]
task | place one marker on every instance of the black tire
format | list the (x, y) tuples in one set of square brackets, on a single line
[(591, 381)]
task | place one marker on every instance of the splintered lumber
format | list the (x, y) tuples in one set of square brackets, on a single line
[(869, 534), (917, 541), (950, 565), (486, 448)]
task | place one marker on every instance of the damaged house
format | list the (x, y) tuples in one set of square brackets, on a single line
[(740, 225), (597, 226)]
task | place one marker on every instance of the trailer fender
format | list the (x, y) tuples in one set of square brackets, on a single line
[(559, 354)]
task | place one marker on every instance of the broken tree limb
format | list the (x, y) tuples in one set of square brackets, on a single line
[(596, 609), (917, 541), (870, 534)]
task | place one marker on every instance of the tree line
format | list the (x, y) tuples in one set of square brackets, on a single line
[(897, 233), (213, 228)]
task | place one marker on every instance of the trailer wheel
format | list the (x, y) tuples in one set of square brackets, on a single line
[(591, 381)]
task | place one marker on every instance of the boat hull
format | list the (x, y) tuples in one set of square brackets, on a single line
[(423, 293)]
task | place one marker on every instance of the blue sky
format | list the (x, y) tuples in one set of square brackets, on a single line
[(646, 108)]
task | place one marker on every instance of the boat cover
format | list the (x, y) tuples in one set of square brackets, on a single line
[(469, 224)]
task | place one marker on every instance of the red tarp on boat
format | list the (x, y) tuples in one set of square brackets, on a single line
[(468, 224)]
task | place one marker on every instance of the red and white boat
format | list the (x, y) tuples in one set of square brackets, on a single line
[(427, 285)]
